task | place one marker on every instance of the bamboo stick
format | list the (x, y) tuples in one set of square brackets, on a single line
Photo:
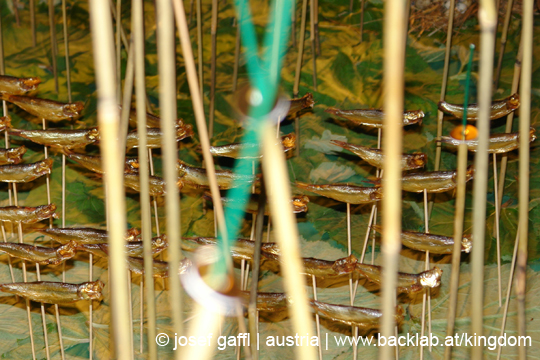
[(504, 37), (508, 291), (236, 56), (317, 320), (312, 38), (316, 28), (275, 173), (32, 7), (440, 114), (458, 235), (66, 53), (293, 23), (54, 45), (118, 48), (524, 154), (200, 47), (146, 221), (487, 43), (496, 225), (102, 35), (426, 296), (394, 55), (300, 51), (213, 31)]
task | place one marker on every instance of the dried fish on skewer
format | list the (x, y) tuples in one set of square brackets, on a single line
[(499, 108), (55, 292), (46, 109), (375, 117), (351, 194), (93, 163), (154, 135), (498, 143), (84, 235), (39, 254), (27, 215), (432, 181), (67, 138), (18, 86), (157, 184), (197, 177), (234, 150), (22, 173), (299, 203)]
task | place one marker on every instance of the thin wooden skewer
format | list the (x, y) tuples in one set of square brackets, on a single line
[(508, 291), (293, 23), (504, 36), (440, 114), (351, 291), (351, 6), (200, 47), (488, 22), (426, 297), (509, 121), (236, 55), (118, 48), (91, 309), (9, 257), (28, 313), (394, 55), (496, 224), (144, 165), (32, 7), (312, 38), (102, 36), (300, 50), (317, 320), (317, 38), (458, 235), (54, 45), (524, 164), (213, 32)]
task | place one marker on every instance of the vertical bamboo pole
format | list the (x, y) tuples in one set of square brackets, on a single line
[(300, 50), (440, 114), (317, 320), (213, 31), (504, 36), (54, 45), (200, 47), (496, 225), (118, 48), (458, 236), (146, 221), (394, 55), (102, 35), (293, 23), (312, 38), (488, 20), (316, 28), (524, 124), (167, 96)]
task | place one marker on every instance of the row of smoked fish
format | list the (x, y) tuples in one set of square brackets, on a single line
[(94, 241)]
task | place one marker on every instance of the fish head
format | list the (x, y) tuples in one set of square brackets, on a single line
[(159, 244), (30, 84), (180, 184), (179, 123), (45, 166), (93, 134), (289, 141), (431, 278), (46, 211), (400, 315), (532, 134), (418, 160), (470, 173), (300, 203), (181, 167), (5, 122), (376, 194), (74, 109), (307, 100), (68, 250), (466, 243), (91, 290), (15, 154), (513, 102), (132, 166), (132, 234), (413, 117), (345, 265), (183, 132)]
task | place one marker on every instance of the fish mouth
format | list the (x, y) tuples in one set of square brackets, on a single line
[(413, 117), (289, 141), (184, 132), (45, 166), (466, 244), (513, 102), (93, 290), (431, 278), (74, 109), (308, 101), (93, 134), (30, 84), (5, 122)]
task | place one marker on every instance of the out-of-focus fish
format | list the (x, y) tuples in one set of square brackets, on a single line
[(93, 162), (132, 248), (157, 184), (375, 157), (18, 86), (374, 117), (27, 215), (351, 194), (55, 292), (153, 137), (22, 173), (435, 244), (84, 235), (160, 268), (498, 143), (234, 150), (67, 138), (12, 156), (46, 109), (432, 181), (299, 203), (197, 177), (499, 108), (5, 123), (39, 254), (304, 102), (152, 121), (242, 249)]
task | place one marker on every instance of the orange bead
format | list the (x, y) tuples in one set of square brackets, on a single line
[(471, 132)]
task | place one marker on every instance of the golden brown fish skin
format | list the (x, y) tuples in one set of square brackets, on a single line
[(153, 137), (39, 254), (499, 108), (242, 249), (406, 283), (67, 138), (22, 173), (55, 292), (361, 317), (84, 235), (351, 194), (375, 157), (304, 102), (94, 249), (157, 184), (12, 156), (234, 150), (498, 143), (152, 121), (433, 181), (27, 215), (93, 163), (435, 244), (161, 268), (135, 248), (267, 301), (299, 203), (197, 177), (5, 123), (375, 117), (46, 109), (18, 86)]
